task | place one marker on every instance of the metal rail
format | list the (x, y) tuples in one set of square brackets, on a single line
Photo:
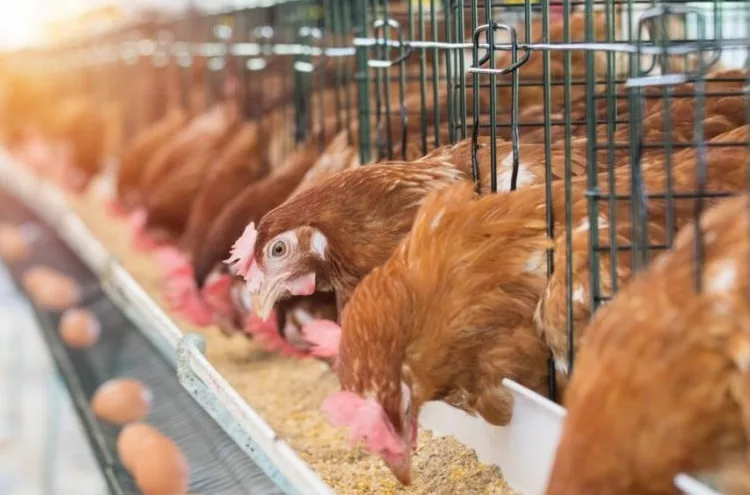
[(194, 371)]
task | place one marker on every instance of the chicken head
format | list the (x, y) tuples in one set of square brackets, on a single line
[(382, 429), (286, 265)]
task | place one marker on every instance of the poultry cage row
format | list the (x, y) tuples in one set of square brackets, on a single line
[(567, 96)]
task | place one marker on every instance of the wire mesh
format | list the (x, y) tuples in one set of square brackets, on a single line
[(613, 91), (286, 58)]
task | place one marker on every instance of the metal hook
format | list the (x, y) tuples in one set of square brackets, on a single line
[(314, 34), (656, 16), (163, 49), (476, 68), (406, 49)]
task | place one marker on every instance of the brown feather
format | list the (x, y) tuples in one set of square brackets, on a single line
[(725, 173), (143, 147), (359, 235), (169, 200), (661, 383), (238, 165), (448, 312)]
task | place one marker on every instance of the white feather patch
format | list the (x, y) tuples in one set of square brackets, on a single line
[(579, 294), (601, 222), (561, 365), (505, 175), (436, 220), (319, 244), (723, 278), (303, 316), (535, 263)]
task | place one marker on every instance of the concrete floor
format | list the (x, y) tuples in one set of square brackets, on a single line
[(37, 456)]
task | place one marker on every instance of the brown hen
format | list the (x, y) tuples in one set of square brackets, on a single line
[(445, 318), (329, 236), (168, 201), (661, 384), (725, 173), (250, 205), (238, 165)]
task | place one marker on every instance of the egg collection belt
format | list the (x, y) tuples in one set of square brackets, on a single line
[(219, 466)]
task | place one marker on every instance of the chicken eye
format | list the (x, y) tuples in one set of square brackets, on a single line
[(278, 249)]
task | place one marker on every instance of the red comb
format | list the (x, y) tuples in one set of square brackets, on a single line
[(324, 337), (115, 208), (267, 334), (141, 240), (241, 256), (172, 260), (182, 296), (367, 423), (217, 293)]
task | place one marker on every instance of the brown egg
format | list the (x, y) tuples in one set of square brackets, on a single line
[(79, 328), (35, 275), (50, 289), (161, 469), (13, 245), (121, 401), (131, 439)]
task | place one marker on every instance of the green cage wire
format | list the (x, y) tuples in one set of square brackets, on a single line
[(585, 80)]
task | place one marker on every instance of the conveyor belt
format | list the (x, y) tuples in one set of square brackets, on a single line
[(218, 465)]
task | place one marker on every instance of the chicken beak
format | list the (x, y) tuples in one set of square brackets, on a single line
[(272, 289), (265, 299), (402, 471)]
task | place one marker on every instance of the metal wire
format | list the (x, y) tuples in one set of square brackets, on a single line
[(635, 56)]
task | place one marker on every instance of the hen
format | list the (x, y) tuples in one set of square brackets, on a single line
[(169, 196), (220, 295), (201, 133), (725, 173), (141, 150), (169, 204), (149, 140), (661, 384), (238, 165), (329, 236), (78, 125), (254, 201), (445, 318)]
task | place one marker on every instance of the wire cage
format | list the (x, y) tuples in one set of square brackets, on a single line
[(612, 95), (290, 59)]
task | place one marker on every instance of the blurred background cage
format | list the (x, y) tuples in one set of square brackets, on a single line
[(283, 54)]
